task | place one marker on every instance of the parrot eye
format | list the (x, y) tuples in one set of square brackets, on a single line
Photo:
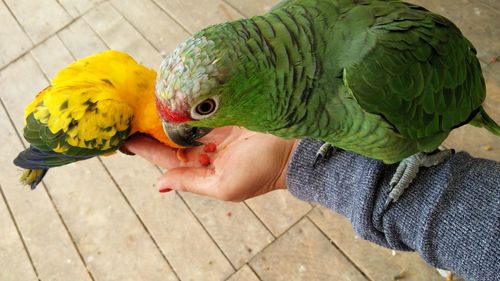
[(205, 108)]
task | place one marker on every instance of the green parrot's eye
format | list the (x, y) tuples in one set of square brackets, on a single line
[(205, 108)]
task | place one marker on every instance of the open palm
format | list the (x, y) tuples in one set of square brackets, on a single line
[(246, 164)]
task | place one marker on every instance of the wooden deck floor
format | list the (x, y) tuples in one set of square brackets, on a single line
[(102, 219)]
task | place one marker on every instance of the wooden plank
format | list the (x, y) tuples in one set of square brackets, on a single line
[(13, 255), (15, 90), (491, 74), (111, 239), (118, 34), (477, 141), (252, 8), (187, 246), (195, 15), (304, 253), (52, 56), (244, 274), (40, 18), (236, 230), (14, 40), (81, 40), (49, 244), (163, 32), (493, 4), (278, 210), (376, 262), (169, 221), (78, 7)]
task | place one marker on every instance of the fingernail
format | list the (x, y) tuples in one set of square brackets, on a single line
[(164, 190)]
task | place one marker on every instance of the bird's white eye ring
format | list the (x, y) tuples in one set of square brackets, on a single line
[(205, 108)]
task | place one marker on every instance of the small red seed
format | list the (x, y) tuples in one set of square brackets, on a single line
[(204, 159), (210, 147)]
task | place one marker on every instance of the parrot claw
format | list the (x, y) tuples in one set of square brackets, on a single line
[(324, 152), (407, 171)]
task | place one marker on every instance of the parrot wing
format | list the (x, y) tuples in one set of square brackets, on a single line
[(418, 71), (71, 123)]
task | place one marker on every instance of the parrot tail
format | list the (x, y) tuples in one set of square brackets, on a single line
[(482, 120), (36, 163), (33, 177)]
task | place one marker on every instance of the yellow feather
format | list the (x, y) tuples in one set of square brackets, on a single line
[(60, 149), (94, 98), (95, 102), (109, 154), (41, 113)]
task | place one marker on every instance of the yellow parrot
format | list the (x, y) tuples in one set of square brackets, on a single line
[(91, 108)]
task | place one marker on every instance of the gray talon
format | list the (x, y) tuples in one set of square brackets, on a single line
[(408, 169)]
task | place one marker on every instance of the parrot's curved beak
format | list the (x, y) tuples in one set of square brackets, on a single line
[(183, 134)]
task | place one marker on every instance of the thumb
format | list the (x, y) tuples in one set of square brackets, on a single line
[(199, 180)]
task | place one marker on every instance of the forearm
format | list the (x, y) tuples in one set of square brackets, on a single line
[(450, 213)]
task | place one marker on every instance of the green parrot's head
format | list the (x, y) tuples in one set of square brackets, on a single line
[(205, 84)]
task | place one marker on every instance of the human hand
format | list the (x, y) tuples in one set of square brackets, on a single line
[(246, 164)]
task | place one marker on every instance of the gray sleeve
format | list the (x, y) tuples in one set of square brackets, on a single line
[(450, 214)]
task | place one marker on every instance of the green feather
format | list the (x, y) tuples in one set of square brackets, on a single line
[(385, 79), (482, 120)]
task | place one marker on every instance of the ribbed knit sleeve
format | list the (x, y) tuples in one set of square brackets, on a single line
[(450, 214)]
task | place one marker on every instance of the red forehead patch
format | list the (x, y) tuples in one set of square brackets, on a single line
[(172, 116)]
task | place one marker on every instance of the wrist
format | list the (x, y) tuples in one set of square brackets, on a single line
[(281, 181)]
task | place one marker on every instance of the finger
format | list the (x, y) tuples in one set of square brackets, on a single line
[(201, 181), (153, 151)]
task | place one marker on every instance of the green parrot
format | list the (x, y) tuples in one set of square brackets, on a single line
[(385, 79)]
